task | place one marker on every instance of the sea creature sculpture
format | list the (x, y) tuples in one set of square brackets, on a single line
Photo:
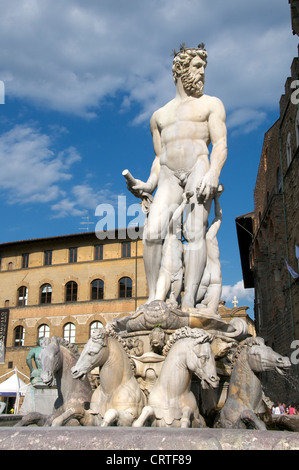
[(119, 399), (245, 399), (57, 358), (171, 402)]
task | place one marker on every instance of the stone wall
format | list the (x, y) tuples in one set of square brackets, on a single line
[(276, 233)]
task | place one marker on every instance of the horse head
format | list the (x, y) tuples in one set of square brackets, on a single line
[(197, 350), (262, 358), (94, 354), (202, 362), (50, 358)]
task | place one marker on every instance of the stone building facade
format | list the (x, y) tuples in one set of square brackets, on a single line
[(268, 256), (64, 286)]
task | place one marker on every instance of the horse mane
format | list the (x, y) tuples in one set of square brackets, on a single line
[(186, 332), (108, 330), (71, 347)]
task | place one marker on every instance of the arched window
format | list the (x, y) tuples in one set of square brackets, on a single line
[(95, 325), (97, 289), (22, 296), (71, 291), (44, 331), (125, 288), (45, 294), (19, 336), (69, 332)]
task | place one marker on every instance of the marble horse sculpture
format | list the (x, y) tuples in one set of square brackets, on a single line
[(119, 399), (171, 403), (245, 399), (57, 358)]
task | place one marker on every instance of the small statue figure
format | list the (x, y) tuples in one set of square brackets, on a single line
[(34, 354), (135, 346)]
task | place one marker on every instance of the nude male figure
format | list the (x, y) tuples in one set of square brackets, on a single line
[(182, 131)]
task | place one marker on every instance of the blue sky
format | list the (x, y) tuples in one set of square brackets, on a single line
[(82, 80)]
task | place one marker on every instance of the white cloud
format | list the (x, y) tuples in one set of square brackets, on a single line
[(30, 170), (238, 290), (82, 198), (71, 56), (246, 119), (65, 207), (33, 172)]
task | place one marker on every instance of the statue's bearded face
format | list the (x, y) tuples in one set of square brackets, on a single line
[(193, 77)]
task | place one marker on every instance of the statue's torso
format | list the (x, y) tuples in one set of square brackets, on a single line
[(183, 126)]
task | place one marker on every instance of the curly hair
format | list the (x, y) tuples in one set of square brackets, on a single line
[(183, 59)]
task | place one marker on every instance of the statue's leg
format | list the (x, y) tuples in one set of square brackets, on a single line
[(249, 420), (187, 415), (110, 417), (147, 413), (167, 198), (195, 226), (176, 287), (62, 419), (203, 286), (125, 418), (163, 285), (121, 418), (33, 418), (73, 415), (195, 253)]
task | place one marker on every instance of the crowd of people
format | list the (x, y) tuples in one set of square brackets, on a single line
[(283, 409)]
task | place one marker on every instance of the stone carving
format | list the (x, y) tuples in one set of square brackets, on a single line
[(148, 316), (169, 317), (182, 131), (148, 359), (170, 402), (56, 358), (147, 370), (245, 397), (135, 346), (157, 339), (119, 398)]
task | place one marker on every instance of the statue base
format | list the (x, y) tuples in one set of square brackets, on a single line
[(39, 398)]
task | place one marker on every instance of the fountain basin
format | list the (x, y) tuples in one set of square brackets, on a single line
[(152, 439)]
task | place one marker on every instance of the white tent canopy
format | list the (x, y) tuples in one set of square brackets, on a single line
[(14, 386)]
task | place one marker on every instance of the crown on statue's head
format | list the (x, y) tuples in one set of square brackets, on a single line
[(183, 48)]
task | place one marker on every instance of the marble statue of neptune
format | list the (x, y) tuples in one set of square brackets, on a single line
[(182, 131)]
